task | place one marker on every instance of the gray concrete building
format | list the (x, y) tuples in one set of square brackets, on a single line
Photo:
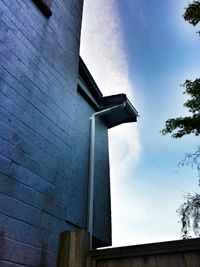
[(47, 96)]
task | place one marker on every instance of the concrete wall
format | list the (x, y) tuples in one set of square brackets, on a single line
[(38, 114)]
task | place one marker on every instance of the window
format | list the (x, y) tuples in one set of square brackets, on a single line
[(44, 6)]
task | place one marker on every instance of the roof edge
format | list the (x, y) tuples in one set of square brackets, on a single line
[(103, 101), (87, 78)]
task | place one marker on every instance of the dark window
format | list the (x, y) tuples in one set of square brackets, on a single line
[(44, 6)]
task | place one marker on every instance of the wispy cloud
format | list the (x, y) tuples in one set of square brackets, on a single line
[(103, 52)]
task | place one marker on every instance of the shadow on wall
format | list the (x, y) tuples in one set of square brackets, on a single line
[(43, 255), (2, 243)]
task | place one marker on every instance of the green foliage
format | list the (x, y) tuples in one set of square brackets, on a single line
[(189, 124), (189, 212), (192, 13), (193, 89)]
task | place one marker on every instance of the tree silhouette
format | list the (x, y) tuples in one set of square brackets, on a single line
[(189, 211)]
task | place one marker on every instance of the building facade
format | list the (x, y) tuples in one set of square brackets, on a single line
[(47, 96)]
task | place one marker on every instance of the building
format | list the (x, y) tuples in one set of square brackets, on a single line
[(47, 97)]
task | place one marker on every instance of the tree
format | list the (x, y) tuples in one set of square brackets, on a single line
[(189, 211), (192, 13), (189, 124), (192, 160)]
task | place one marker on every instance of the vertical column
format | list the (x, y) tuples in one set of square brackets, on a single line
[(72, 249)]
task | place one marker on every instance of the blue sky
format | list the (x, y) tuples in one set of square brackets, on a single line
[(146, 50)]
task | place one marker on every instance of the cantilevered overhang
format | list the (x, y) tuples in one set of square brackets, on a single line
[(126, 114), (90, 91)]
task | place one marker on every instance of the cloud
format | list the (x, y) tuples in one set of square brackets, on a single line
[(103, 52), (102, 47)]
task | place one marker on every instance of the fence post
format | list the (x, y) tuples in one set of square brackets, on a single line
[(72, 248)]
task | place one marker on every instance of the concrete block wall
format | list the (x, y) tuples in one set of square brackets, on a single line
[(38, 108)]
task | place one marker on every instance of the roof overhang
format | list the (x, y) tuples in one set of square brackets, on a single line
[(124, 115)]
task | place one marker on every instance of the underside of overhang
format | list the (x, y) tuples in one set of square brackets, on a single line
[(124, 115)]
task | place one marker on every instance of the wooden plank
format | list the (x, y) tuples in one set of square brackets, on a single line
[(72, 249), (182, 253), (147, 249)]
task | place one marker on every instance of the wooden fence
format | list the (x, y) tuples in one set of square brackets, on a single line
[(73, 253), (183, 253)]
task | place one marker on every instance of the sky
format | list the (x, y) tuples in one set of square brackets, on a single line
[(146, 50)]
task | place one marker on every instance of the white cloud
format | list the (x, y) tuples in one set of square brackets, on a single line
[(102, 47), (103, 52), (137, 207)]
